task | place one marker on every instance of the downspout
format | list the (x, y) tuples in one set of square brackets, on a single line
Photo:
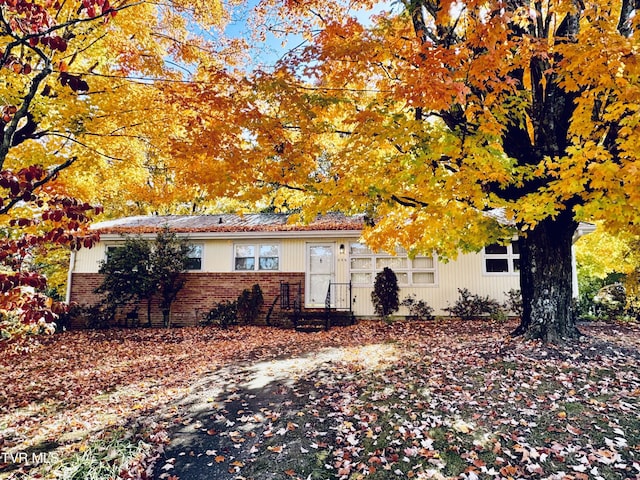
[(582, 230), (72, 264), (574, 274)]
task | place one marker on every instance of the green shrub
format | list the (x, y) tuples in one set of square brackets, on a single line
[(513, 303), (611, 301), (584, 307), (418, 309), (385, 293), (469, 306), (224, 314), (249, 304)]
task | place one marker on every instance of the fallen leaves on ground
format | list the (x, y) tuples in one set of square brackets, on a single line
[(410, 400)]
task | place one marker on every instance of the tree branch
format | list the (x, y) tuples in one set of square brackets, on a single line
[(51, 174), (9, 131), (82, 144)]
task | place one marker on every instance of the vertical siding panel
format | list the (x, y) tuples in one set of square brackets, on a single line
[(292, 252), (88, 259), (217, 256), (342, 260)]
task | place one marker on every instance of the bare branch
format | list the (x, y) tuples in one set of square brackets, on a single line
[(408, 201), (82, 144)]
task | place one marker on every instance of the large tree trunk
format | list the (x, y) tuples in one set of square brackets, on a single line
[(546, 281)]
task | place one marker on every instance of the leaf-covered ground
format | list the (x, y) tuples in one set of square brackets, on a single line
[(443, 399)]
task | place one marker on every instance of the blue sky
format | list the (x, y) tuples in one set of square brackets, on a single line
[(272, 50)]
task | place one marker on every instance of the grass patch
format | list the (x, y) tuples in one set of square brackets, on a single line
[(100, 459)]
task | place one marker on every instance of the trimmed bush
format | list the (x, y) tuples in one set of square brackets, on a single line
[(469, 306), (385, 293)]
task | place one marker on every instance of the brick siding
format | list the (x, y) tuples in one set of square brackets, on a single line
[(202, 291)]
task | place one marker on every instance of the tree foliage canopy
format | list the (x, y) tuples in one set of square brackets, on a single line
[(444, 110), (438, 113), (430, 116), (83, 119)]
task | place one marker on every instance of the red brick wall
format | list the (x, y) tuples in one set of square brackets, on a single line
[(201, 292), (82, 287)]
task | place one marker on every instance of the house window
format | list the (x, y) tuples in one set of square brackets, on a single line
[(194, 261), (365, 264), (111, 251), (252, 257), (501, 259)]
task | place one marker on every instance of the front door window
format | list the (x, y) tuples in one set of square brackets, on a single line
[(320, 273)]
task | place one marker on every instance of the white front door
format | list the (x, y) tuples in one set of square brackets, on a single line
[(320, 272)]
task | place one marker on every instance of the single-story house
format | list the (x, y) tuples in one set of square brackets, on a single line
[(319, 262)]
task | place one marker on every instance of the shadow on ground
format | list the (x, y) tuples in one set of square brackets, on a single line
[(236, 414)]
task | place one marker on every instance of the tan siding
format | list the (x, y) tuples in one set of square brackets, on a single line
[(88, 259), (464, 272), (217, 256), (342, 260), (292, 255)]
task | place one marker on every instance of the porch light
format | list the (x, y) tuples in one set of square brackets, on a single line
[(341, 249)]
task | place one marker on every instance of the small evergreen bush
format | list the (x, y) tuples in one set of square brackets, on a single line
[(385, 293), (249, 304)]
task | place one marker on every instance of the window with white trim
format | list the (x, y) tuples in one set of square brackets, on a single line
[(194, 256), (194, 260), (252, 257), (501, 259), (364, 264)]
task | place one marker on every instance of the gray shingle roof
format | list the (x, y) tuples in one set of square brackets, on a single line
[(267, 222)]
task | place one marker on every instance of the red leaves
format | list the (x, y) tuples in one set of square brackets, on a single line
[(8, 111), (35, 25), (74, 82), (95, 8), (9, 281), (54, 43), (53, 220), (21, 184)]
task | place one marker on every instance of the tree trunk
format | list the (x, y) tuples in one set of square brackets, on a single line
[(149, 312), (546, 281), (166, 317)]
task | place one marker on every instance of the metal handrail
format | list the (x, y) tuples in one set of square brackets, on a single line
[(342, 302)]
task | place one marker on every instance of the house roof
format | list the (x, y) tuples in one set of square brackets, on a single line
[(227, 223), (250, 224)]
